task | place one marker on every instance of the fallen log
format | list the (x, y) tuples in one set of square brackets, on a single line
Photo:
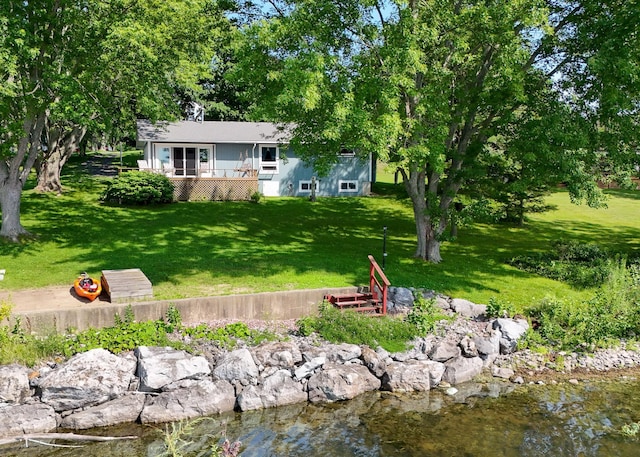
[(59, 436)]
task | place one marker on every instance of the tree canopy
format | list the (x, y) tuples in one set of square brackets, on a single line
[(75, 65), (432, 87)]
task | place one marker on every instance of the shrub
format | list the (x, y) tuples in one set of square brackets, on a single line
[(139, 188), (256, 197), (579, 264), (612, 313)]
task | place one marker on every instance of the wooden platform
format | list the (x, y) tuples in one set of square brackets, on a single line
[(124, 284)]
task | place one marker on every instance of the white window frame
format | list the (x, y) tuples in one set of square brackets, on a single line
[(306, 191), (273, 167), (347, 182), (211, 163)]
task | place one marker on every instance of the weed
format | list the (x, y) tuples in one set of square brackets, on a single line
[(630, 430), (496, 308)]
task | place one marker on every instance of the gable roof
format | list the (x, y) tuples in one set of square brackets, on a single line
[(211, 132)]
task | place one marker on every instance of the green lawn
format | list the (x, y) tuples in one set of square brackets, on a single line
[(206, 248)]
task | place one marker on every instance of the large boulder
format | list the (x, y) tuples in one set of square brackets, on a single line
[(462, 369), (119, 411), (159, 366), (444, 350), (341, 382), (374, 361), (511, 330), (277, 390), (237, 365), (188, 399), (277, 354), (467, 309), (412, 376), (14, 383), (488, 347), (87, 379), (29, 418)]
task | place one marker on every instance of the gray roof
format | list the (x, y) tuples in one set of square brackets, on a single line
[(211, 132)]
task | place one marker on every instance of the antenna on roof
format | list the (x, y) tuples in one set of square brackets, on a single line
[(195, 112)]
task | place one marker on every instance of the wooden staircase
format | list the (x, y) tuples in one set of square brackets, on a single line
[(372, 301)]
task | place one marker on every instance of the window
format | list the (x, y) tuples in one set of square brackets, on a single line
[(164, 154), (204, 155), (269, 159), (347, 186), (305, 186)]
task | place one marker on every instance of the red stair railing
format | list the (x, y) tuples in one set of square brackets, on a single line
[(378, 282)]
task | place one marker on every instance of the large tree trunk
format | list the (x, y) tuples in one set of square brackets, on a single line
[(60, 146), (13, 175), (10, 193)]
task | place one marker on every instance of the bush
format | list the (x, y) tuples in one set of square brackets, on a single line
[(139, 188), (579, 264), (613, 313)]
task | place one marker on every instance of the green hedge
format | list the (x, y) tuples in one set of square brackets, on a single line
[(139, 188)]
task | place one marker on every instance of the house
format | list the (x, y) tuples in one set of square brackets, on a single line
[(221, 160)]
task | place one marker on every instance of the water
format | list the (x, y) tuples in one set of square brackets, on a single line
[(481, 420)]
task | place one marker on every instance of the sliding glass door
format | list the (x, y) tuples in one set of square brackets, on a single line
[(185, 161)]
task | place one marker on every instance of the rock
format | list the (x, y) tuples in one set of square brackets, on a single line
[(119, 411), (309, 367), (188, 399), (341, 382), (87, 379), (488, 347), (374, 362), (236, 365), (277, 354), (500, 372), (443, 303), (401, 296), (412, 376), (468, 347), (341, 353), (468, 309), (277, 390), (14, 383), (462, 369), (445, 350), (518, 380), (511, 330), (29, 418), (159, 366)]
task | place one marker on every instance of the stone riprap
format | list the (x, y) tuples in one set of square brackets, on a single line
[(154, 385)]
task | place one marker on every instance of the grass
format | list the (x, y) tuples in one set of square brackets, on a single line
[(207, 248)]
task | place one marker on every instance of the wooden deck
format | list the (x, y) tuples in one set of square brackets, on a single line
[(124, 284)]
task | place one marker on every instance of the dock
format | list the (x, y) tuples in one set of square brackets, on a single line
[(125, 284)]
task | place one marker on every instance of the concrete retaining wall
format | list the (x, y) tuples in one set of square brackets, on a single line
[(292, 304)]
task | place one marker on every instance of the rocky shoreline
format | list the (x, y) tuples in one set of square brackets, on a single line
[(155, 385)]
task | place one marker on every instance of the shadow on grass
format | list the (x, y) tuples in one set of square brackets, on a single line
[(282, 243)]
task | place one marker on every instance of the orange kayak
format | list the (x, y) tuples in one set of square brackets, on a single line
[(87, 287)]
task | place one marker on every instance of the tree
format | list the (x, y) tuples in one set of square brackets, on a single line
[(425, 85), (73, 65)]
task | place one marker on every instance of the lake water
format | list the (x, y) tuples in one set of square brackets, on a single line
[(481, 420)]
